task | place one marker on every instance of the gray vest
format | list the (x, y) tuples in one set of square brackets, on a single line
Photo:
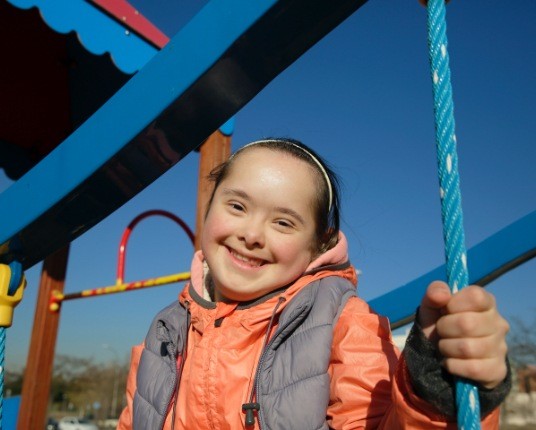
[(292, 384)]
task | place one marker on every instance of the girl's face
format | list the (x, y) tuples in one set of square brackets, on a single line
[(259, 233)]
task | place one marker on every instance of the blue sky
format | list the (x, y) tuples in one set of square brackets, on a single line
[(362, 98)]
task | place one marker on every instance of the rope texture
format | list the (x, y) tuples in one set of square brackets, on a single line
[(468, 408), (14, 283)]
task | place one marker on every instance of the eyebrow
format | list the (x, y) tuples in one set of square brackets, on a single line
[(245, 196), (235, 192)]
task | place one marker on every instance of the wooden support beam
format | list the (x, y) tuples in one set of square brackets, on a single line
[(215, 150), (38, 373)]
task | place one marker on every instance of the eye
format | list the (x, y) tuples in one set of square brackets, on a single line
[(236, 207), (284, 224)]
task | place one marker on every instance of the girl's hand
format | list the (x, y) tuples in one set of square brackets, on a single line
[(468, 331)]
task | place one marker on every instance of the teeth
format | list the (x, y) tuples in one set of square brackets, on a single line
[(251, 261)]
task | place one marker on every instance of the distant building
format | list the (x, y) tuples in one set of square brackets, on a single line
[(519, 409), (526, 378)]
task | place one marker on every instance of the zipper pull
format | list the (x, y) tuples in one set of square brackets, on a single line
[(248, 408)]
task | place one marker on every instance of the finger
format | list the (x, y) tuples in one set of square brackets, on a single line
[(488, 372), (474, 348), (437, 296), (472, 298), (472, 325), (432, 308)]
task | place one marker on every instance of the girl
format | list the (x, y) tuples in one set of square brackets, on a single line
[(269, 333)]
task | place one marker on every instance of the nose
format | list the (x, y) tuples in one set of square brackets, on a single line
[(252, 233)]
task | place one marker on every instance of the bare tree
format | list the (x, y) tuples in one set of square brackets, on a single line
[(522, 342), (85, 388)]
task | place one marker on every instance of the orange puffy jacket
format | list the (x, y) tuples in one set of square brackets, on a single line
[(370, 385)]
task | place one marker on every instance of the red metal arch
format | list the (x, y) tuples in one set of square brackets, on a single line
[(130, 227)]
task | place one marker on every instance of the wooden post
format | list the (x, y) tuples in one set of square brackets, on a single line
[(38, 373), (215, 150)]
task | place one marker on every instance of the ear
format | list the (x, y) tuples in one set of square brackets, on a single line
[(330, 239)]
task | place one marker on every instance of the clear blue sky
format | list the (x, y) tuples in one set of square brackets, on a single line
[(361, 98)]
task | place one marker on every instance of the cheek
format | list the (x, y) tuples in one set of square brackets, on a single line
[(294, 252), (215, 227), (207, 234)]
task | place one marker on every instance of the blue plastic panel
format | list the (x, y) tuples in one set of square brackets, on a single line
[(97, 32), (10, 412), (189, 89)]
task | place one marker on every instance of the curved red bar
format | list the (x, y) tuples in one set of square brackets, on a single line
[(130, 227)]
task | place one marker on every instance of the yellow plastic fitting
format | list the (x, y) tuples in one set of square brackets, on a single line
[(54, 304), (8, 302)]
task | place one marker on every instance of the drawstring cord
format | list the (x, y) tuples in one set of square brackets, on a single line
[(183, 359), (252, 406)]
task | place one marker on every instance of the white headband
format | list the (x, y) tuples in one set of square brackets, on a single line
[(317, 162)]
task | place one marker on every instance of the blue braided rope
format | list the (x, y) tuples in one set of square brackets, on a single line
[(468, 408), (14, 283)]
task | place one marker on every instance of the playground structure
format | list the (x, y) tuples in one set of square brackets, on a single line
[(164, 112), (57, 297)]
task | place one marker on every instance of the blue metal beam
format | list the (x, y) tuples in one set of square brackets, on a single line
[(229, 52), (491, 258)]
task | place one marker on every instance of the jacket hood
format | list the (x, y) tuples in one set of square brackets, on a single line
[(334, 256), (333, 259)]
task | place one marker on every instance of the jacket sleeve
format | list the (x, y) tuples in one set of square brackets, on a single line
[(363, 362), (370, 383), (125, 420)]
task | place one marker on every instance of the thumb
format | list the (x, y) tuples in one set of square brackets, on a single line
[(435, 299)]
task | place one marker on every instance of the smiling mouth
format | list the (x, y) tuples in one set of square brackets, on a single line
[(252, 262)]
